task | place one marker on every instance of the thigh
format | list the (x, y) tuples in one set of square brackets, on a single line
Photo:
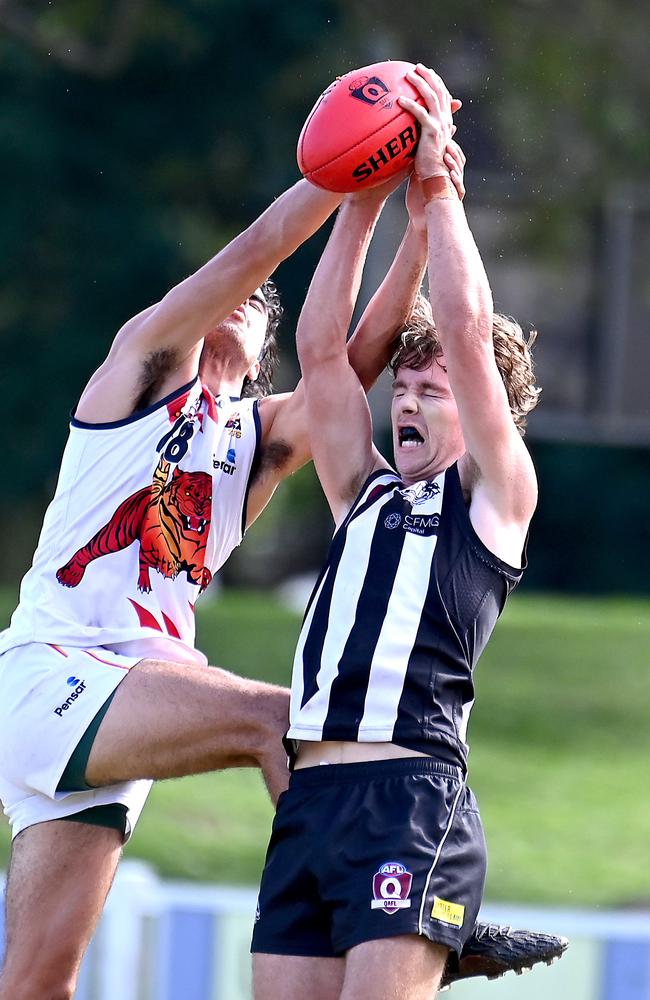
[(59, 876), (292, 977), (401, 968), (168, 719)]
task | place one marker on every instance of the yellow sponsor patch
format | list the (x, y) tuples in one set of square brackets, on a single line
[(448, 913)]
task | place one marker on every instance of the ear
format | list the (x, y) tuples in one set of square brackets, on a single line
[(253, 371), (176, 473)]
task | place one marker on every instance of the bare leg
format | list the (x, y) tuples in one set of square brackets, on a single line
[(170, 719), (399, 968), (59, 877), (293, 977)]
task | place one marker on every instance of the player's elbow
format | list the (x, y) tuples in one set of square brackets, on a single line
[(317, 344), (468, 322)]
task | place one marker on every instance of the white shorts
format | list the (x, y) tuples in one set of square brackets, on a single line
[(49, 695)]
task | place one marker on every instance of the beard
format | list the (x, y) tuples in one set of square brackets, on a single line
[(226, 345)]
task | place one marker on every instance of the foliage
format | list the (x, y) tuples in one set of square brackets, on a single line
[(124, 172), (560, 745)]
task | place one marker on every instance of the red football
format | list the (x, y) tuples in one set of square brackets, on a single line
[(357, 135)]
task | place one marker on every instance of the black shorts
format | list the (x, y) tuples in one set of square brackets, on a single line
[(371, 850)]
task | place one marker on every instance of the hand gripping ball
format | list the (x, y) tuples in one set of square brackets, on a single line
[(357, 135)]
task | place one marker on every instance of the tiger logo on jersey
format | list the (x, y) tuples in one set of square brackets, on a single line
[(171, 521)]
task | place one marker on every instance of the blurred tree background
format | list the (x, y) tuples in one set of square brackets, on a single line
[(138, 136)]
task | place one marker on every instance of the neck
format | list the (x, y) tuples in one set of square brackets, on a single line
[(439, 464), (222, 377)]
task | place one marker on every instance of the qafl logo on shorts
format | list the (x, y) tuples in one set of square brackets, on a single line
[(391, 886), (369, 89), (393, 521)]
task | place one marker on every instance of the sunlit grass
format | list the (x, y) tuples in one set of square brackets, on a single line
[(560, 748)]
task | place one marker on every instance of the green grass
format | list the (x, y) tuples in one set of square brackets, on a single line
[(560, 749)]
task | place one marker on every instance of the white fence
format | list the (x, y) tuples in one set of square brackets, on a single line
[(162, 940)]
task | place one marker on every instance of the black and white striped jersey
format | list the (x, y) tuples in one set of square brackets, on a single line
[(399, 616)]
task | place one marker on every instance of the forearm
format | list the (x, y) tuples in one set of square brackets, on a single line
[(461, 300), (224, 282), (389, 309), (327, 312)]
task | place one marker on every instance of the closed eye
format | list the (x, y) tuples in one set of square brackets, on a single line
[(258, 302)]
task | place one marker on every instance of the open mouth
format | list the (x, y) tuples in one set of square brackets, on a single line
[(409, 437), (193, 523)]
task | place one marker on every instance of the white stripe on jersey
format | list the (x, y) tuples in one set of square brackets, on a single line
[(296, 674), (348, 586), (387, 673)]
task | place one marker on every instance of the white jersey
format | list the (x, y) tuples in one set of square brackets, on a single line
[(146, 510)]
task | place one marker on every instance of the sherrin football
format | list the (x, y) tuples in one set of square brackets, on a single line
[(357, 134)]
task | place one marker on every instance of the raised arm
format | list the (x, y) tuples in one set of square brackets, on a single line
[(338, 416), (171, 331), (284, 418), (497, 468), (387, 312)]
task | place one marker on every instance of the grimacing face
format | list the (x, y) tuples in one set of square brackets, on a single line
[(427, 435)]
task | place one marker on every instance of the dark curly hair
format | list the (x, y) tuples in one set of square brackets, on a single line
[(418, 344), (268, 356)]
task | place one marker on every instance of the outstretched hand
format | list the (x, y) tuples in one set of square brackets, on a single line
[(435, 120)]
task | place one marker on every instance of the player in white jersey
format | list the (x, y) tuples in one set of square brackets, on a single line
[(101, 689), (375, 869)]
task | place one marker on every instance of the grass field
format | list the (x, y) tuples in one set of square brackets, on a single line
[(560, 753)]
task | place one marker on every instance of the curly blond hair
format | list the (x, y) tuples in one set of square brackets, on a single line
[(418, 344)]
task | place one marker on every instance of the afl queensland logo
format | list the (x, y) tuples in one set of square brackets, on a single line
[(369, 89), (391, 886), (420, 492)]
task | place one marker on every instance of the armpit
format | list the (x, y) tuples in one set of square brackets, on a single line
[(275, 456), (469, 474), (155, 368)]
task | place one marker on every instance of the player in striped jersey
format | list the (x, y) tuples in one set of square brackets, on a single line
[(376, 865)]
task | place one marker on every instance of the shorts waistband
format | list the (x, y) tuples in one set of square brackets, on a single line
[(367, 770)]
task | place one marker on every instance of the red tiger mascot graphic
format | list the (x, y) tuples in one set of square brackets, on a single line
[(171, 520)]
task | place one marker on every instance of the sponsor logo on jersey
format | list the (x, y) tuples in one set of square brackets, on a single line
[(422, 524), (80, 687), (391, 886), (416, 524), (220, 466), (448, 913)]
